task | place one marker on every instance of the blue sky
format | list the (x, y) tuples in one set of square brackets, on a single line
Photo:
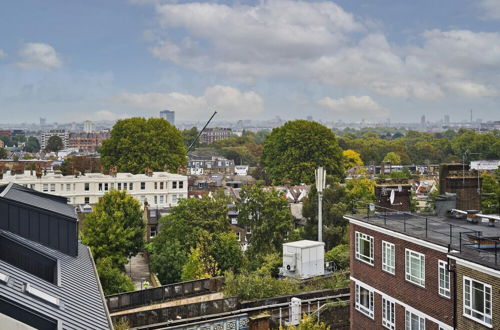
[(349, 59)]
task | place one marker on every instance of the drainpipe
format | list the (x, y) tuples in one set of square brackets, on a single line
[(454, 301)]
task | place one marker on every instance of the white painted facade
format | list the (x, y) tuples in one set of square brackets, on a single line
[(161, 189)]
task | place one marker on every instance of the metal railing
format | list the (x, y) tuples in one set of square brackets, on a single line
[(456, 236)]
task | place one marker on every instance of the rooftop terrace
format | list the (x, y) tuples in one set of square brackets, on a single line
[(477, 242)]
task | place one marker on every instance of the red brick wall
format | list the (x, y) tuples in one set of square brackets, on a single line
[(427, 300)]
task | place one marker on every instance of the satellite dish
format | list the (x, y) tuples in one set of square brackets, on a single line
[(393, 196)]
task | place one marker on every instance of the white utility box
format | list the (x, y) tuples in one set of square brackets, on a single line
[(303, 259)]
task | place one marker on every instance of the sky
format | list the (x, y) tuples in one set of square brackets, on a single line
[(346, 60)]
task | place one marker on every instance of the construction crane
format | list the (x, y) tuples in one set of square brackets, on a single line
[(199, 134)]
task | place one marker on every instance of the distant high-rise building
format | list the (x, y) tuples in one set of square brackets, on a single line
[(422, 121), (446, 119), (168, 115), (88, 126), (43, 121)]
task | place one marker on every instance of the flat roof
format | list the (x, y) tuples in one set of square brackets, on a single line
[(441, 231), (304, 244)]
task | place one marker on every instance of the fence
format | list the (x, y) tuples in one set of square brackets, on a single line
[(133, 299)]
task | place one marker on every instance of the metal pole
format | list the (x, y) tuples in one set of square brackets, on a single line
[(320, 217)]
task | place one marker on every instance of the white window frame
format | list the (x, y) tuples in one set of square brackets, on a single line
[(421, 321), (388, 257), (469, 311), (52, 187), (444, 279), (409, 254), (388, 314), (358, 253), (368, 311)]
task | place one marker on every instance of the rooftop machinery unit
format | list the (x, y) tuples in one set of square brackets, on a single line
[(303, 259)]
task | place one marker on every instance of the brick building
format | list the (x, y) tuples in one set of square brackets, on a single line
[(210, 135), (456, 178), (400, 192), (87, 142), (411, 272)]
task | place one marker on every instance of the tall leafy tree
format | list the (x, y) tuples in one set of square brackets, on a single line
[(54, 144), (138, 143), (32, 145), (112, 279), (490, 194), (192, 221), (293, 151), (268, 216), (392, 158), (115, 228), (351, 159)]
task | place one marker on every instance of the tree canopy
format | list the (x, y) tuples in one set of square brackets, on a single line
[(112, 279), (115, 228), (293, 151), (32, 145), (351, 159), (54, 144), (268, 216), (138, 143)]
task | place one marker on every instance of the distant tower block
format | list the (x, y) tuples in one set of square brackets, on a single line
[(168, 115)]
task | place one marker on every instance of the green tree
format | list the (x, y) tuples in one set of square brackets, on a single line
[(32, 145), (137, 143), (54, 144), (339, 255), (490, 193), (227, 252), (7, 141), (392, 158), (192, 221), (294, 150), (200, 264), (115, 228), (307, 323), (188, 136), (3, 153), (167, 261), (247, 286), (112, 279), (351, 159), (268, 216)]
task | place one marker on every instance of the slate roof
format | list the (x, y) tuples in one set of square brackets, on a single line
[(81, 300), (56, 204)]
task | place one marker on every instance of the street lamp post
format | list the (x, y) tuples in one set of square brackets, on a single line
[(320, 185)]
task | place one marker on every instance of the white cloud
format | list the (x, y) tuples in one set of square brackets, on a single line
[(230, 102), (2, 54), (319, 41), (491, 8), (39, 56), (354, 106)]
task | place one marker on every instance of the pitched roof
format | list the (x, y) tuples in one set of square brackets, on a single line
[(81, 302), (56, 204)]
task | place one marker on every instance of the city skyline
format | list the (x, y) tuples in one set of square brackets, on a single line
[(342, 60)]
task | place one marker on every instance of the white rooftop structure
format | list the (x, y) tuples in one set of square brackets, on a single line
[(485, 165), (303, 259)]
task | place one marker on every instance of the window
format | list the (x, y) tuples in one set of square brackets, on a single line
[(52, 187), (45, 187), (106, 187), (161, 185), (444, 279), (156, 199), (364, 301), (130, 186), (388, 257), (414, 321), (388, 314), (143, 185), (181, 184), (364, 248), (477, 301), (161, 199), (119, 186), (415, 267), (100, 186), (152, 232), (174, 199), (174, 184), (68, 186), (124, 186), (156, 185), (87, 200)]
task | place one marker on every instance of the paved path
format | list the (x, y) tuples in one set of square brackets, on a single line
[(138, 270)]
